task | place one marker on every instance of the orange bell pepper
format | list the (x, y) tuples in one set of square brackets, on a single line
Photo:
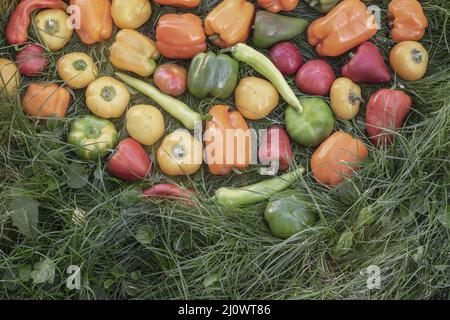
[(179, 3), (337, 158), (228, 141), (230, 22), (346, 26), (278, 5), (180, 36), (96, 20), (46, 100), (407, 19)]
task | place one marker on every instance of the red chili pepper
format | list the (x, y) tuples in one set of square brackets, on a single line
[(272, 150), (171, 192), (17, 29)]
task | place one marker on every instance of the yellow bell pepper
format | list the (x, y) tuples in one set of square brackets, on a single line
[(9, 76), (77, 69), (52, 27), (130, 14), (107, 98), (230, 22), (134, 52), (345, 96), (145, 124)]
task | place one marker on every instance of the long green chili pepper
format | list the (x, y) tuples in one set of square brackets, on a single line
[(265, 67)]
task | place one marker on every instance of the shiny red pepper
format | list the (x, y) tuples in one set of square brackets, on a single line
[(275, 146), (171, 192), (17, 29)]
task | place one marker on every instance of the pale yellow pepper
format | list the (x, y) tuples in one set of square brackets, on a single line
[(145, 124), (130, 14), (77, 69), (9, 76), (345, 96), (53, 28)]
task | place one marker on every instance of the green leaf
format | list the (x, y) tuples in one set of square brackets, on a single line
[(108, 283), (44, 271), (76, 176), (210, 280), (25, 214), (344, 244), (145, 235), (366, 217), (183, 242), (25, 273)]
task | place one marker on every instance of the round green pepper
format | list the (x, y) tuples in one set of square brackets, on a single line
[(313, 125), (93, 136), (289, 215)]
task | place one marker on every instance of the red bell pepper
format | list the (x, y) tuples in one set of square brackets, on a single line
[(275, 146), (171, 192), (17, 29), (130, 161), (31, 61), (386, 111)]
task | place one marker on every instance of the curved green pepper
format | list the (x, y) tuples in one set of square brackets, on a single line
[(271, 28), (322, 5), (313, 125), (93, 136), (214, 75), (289, 215)]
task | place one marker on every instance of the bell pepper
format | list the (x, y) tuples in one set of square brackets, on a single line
[(256, 98), (258, 192), (17, 28), (323, 6), (179, 3), (346, 26), (289, 215), (407, 19), (77, 69), (409, 59), (180, 36), (367, 65), (130, 14), (9, 76), (271, 28), (337, 158), (95, 20), (230, 22), (313, 125), (130, 161), (51, 24), (171, 192), (386, 111), (180, 154), (145, 124), (278, 5), (275, 146), (32, 61), (211, 74), (132, 51), (180, 111), (93, 137), (345, 96), (45, 100), (107, 97), (227, 141), (171, 79)]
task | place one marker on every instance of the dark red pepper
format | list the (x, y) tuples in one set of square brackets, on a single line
[(367, 65), (275, 146), (129, 162), (386, 111), (17, 29), (171, 192), (31, 61)]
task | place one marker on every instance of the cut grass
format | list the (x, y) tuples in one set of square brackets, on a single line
[(129, 248)]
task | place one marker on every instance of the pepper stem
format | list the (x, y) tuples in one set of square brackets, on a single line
[(108, 93), (416, 56)]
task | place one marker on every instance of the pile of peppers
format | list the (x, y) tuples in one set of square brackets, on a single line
[(238, 28)]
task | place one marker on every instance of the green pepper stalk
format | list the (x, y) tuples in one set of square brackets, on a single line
[(237, 197), (93, 136), (264, 66), (180, 111)]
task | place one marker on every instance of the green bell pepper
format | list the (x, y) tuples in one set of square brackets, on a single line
[(289, 215), (322, 5), (93, 137), (214, 75), (271, 28), (313, 125)]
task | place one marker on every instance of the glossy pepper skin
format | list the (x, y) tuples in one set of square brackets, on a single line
[(337, 158), (409, 59), (17, 29), (289, 215), (214, 75), (275, 146), (51, 24), (171, 192), (225, 152), (93, 137), (271, 28), (132, 51), (77, 69), (45, 100), (130, 14), (180, 36), (278, 5), (346, 26), (345, 96), (31, 61), (130, 161), (323, 6), (407, 19), (179, 3), (95, 19), (386, 111), (230, 22)]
